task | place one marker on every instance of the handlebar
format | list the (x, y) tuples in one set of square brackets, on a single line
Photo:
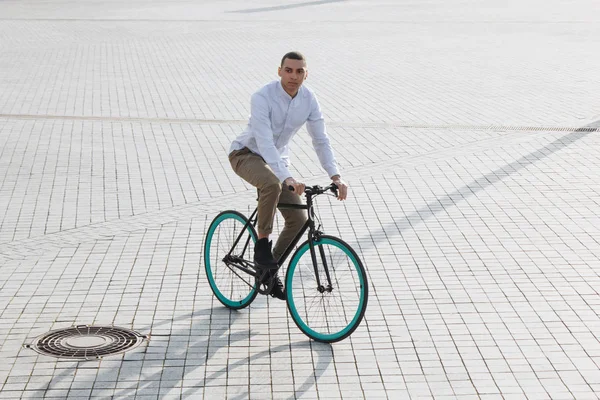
[(315, 190)]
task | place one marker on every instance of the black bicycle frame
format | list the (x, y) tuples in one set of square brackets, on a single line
[(313, 234)]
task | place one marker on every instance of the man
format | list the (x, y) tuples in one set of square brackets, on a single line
[(260, 155)]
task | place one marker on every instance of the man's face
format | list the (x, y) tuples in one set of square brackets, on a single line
[(292, 73)]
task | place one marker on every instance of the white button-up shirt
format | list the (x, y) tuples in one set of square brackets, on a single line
[(275, 117)]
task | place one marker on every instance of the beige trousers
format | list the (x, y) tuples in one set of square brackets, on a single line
[(254, 170)]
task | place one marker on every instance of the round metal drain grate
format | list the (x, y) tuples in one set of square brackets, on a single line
[(86, 342)]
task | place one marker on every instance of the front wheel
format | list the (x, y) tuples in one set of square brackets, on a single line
[(326, 312), (233, 287)]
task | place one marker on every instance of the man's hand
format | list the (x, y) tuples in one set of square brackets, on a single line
[(342, 187), (298, 186)]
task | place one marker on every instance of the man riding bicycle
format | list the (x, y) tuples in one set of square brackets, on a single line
[(260, 156)]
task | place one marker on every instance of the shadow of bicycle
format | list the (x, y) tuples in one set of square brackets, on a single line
[(143, 371)]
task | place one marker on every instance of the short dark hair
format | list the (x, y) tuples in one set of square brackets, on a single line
[(293, 55)]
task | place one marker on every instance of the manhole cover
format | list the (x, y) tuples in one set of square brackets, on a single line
[(86, 342)]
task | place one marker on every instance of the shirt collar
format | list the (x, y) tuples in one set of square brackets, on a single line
[(284, 95)]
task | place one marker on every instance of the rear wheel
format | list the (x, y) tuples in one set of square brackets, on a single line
[(232, 286), (327, 314)]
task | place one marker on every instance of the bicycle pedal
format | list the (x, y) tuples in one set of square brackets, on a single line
[(265, 286), (264, 277)]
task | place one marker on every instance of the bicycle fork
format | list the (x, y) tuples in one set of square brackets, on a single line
[(320, 287)]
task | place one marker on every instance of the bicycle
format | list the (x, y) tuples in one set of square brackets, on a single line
[(326, 295)]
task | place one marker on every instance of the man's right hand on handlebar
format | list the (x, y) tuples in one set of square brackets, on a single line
[(298, 186)]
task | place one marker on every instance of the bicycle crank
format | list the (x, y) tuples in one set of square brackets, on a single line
[(265, 282)]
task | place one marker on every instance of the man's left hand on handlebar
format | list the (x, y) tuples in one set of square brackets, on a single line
[(342, 187)]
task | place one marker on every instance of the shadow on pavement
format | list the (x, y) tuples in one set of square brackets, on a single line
[(479, 184), (217, 339)]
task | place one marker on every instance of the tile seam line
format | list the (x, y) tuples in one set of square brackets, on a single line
[(209, 204), (353, 172), (381, 125), (350, 21)]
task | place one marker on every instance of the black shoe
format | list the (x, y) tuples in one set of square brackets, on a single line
[(278, 290), (263, 255)]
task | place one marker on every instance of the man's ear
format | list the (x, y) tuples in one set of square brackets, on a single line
[(306, 76), (279, 71)]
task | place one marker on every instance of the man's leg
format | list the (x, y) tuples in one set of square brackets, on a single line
[(294, 220), (254, 170)]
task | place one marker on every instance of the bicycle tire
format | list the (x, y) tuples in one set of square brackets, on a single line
[(342, 309), (226, 283)]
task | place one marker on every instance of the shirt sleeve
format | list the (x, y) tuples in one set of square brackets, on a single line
[(316, 129), (260, 124)]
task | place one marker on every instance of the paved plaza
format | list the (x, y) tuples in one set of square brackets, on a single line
[(468, 131)]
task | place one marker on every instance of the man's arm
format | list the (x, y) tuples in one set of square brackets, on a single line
[(316, 129), (260, 124)]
